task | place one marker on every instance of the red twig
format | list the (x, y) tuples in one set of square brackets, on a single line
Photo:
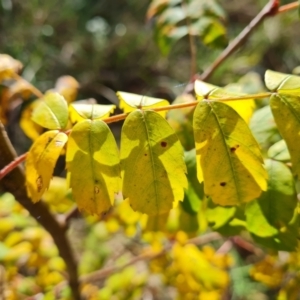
[(7, 169), (288, 7)]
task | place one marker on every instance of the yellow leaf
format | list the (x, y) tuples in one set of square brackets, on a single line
[(153, 168), (30, 128), (80, 112), (8, 66), (208, 91), (130, 102), (22, 88), (93, 163), (228, 157), (41, 160)]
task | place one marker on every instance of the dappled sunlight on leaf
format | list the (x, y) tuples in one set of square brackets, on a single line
[(52, 112), (93, 164), (153, 169), (228, 157)]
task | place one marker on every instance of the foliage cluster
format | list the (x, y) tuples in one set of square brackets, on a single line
[(219, 166)]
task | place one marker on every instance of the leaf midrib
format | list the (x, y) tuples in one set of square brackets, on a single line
[(228, 154), (152, 161)]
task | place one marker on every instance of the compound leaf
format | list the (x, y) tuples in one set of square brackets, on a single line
[(228, 157), (41, 160), (275, 207), (286, 111), (153, 168), (93, 166), (52, 112), (130, 102)]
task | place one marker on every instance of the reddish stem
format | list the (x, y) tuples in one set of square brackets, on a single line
[(288, 7), (7, 169)]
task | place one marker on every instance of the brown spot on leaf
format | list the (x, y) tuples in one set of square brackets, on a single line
[(163, 144), (39, 183), (145, 154), (96, 189), (222, 183), (233, 149)]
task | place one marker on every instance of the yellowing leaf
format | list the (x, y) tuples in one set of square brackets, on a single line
[(130, 102), (208, 91), (52, 112), (67, 86), (22, 88), (283, 83), (41, 160), (8, 66), (30, 128), (286, 111), (228, 157), (80, 112), (93, 163), (153, 168)]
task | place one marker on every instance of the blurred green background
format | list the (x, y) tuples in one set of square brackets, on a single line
[(108, 45)]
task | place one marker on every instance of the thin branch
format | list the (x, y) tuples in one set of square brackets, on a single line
[(14, 183), (66, 218), (7, 169), (269, 9), (288, 7)]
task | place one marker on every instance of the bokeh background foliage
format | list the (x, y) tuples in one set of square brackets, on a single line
[(143, 47)]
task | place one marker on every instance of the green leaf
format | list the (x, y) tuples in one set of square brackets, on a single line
[(212, 31), (93, 163), (195, 191), (153, 168), (279, 151), (283, 83), (188, 222), (264, 128), (285, 240), (80, 112), (52, 112), (130, 102), (41, 160), (205, 90), (217, 215), (228, 157), (275, 208), (286, 111)]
